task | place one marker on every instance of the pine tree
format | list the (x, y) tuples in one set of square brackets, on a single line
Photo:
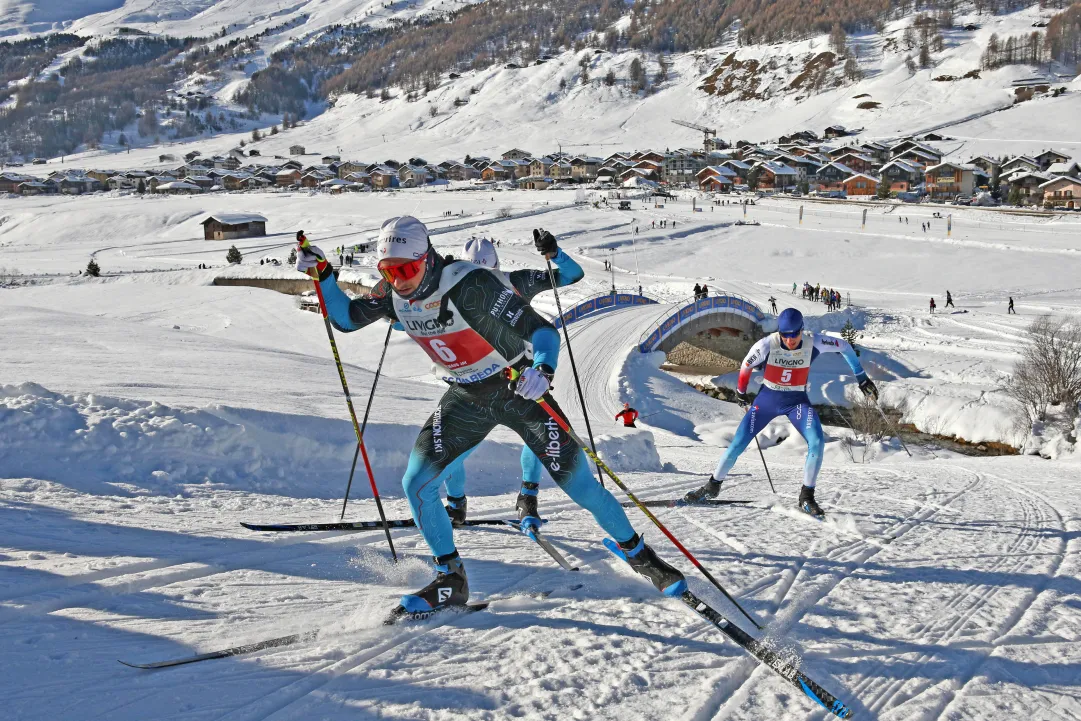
[(255, 136), (849, 333), (883, 189), (752, 178), (92, 268), (233, 256), (1014, 197), (610, 78)]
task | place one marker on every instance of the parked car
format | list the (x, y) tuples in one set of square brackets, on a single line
[(963, 200)]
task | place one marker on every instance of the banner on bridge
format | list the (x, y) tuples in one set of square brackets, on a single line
[(602, 304)]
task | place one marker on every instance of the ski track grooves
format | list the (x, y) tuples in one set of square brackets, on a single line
[(849, 554)]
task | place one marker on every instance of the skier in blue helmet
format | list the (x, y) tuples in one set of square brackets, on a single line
[(785, 357)]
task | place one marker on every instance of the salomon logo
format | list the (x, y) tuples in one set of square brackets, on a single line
[(444, 594)]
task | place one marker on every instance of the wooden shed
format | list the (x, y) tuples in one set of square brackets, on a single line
[(226, 226)]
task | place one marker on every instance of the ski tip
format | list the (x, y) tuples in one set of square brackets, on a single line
[(132, 665)]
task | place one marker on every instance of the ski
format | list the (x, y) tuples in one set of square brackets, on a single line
[(767, 656), (546, 545), (400, 615), (362, 525), (680, 503), (227, 652), (772, 659)]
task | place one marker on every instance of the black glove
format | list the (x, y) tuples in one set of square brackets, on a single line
[(869, 388), (545, 242), (743, 399)]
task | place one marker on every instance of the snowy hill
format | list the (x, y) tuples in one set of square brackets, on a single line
[(547, 105)]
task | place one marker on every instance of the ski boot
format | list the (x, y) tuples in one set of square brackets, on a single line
[(450, 588), (456, 507), (645, 561), (528, 514), (707, 491), (807, 503)]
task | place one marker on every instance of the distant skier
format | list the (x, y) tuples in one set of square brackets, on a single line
[(1010, 309), (773, 304), (527, 284), (933, 306), (786, 357), (793, 288), (474, 328), (629, 416), (949, 300)]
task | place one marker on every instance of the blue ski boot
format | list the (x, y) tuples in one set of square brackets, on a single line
[(645, 561), (528, 514), (450, 588)]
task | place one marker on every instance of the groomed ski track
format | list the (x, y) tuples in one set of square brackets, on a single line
[(968, 611)]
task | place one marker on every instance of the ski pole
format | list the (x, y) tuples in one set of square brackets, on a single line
[(763, 457), (574, 368), (641, 506), (352, 413), (896, 430), (364, 423)]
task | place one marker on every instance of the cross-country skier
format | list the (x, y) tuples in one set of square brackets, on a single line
[(787, 356), (773, 304), (527, 284), (949, 300), (474, 328), (629, 416)]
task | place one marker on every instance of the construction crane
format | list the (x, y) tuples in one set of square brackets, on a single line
[(706, 132)]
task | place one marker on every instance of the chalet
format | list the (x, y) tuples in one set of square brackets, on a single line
[(349, 167), (158, 180), (879, 151), (286, 177), (539, 168), (1029, 184), (119, 182), (985, 163), (328, 159), (179, 187), (102, 176), (413, 176), (901, 175), (336, 185), (37, 187), (516, 154), (857, 161), (520, 168), (235, 181), (715, 143), (226, 226), (776, 176), (831, 176), (535, 182), (806, 167), (948, 180), (920, 157), (584, 167), (740, 168), (291, 164), (254, 153), (911, 144), (479, 162), (359, 178), (495, 172), (563, 171), (192, 155), (1020, 162), (932, 137), (383, 177), (860, 184), (649, 155), (312, 179), (459, 171), (835, 131), (1049, 157), (1062, 192), (607, 175), (296, 150), (237, 153), (77, 185), (716, 179), (836, 153), (1067, 167), (9, 182)]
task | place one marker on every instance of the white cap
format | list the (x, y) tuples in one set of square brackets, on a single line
[(403, 237), (481, 251)]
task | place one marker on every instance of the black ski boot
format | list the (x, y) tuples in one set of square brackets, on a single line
[(528, 514), (807, 503), (707, 491), (450, 588), (646, 562), (456, 507)]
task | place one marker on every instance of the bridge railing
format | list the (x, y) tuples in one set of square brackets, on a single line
[(693, 307), (602, 303)]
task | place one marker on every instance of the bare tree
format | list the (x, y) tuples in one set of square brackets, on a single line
[(1049, 372), (869, 427)]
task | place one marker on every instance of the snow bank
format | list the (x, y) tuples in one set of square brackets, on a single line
[(970, 414), (113, 446), (633, 450)]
